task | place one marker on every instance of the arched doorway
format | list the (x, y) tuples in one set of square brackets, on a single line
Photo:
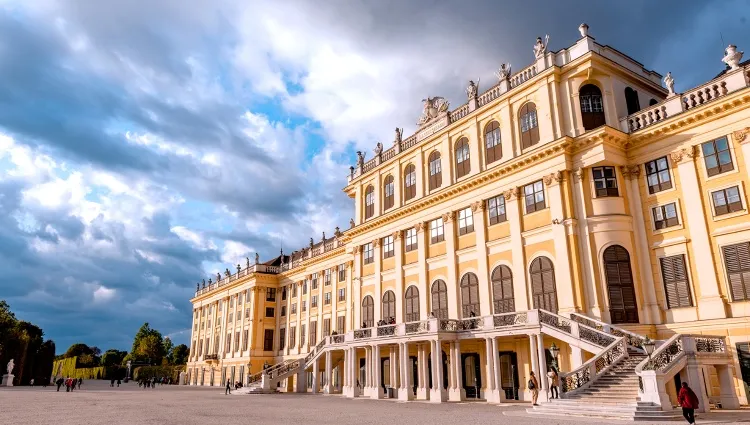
[(389, 306), (622, 304), (368, 312), (411, 304), (439, 293), (543, 288), (469, 295), (592, 107)]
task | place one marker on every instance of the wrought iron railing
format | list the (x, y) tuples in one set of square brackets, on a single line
[(510, 319), (709, 344), (634, 340), (594, 336), (472, 323), (387, 330), (362, 333), (665, 356), (417, 327), (449, 325), (588, 372), (338, 339), (554, 320)]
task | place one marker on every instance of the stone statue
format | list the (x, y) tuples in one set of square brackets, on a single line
[(378, 149), (732, 57), (337, 232), (432, 107), (247, 262), (540, 47), (227, 272), (311, 243), (399, 134), (351, 223), (257, 258), (204, 283), (669, 81), (504, 72), (360, 159), (198, 286), (209, 281), (218, 277), (472, 89), (10, 367), (238, 268), (324, 236)]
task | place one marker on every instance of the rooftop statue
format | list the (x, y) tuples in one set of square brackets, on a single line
[(257, 258), (432, 107), (540, 48), (669, 82), (399, 134), (360, 159), (472, 89), (378, 149), (504, 72), (732, 57)]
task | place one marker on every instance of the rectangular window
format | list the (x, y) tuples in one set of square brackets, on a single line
[(342, 272), (369, 254), (314, 301), (270, 294), (410, 239), (676, 285), (665, 216), (727, 200), (218, 322), (268, 340), (247, 313), (314, 281), (496, 209), (228, 345), (294, 289), (282, 338), (302, 335), (304, 305), (465, 221), (534, 197), (294, 308), (269, 312), (231, 318), (239, 301), (387, 243), (283, 311), (717, 157), (327, 298), (327, 277), (283, 293), (342, 294), (200, 347), (737, 263), (340, 324), (293, 337), (237, 341), (304, 287), (410, 182), (605, 181), (436, 230), (313, 333), (326, 327)]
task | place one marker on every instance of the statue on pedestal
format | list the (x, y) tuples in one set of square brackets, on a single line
[(10, 367), (504, 72), (669, 81), (540, 47)]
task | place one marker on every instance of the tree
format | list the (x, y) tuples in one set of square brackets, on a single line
[(24, 343), (78, 350), (113, 357), (179, 354), (168, 345), (151, 347)]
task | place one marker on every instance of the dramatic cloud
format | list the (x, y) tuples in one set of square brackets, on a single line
[(145, 145)]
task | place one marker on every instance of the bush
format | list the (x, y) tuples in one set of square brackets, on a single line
[(67, 368), (148, 372)]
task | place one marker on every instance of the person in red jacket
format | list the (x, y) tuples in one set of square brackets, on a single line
[(688, 401)]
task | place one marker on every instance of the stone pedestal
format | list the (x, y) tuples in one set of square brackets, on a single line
[(7, 380), (183, 379)]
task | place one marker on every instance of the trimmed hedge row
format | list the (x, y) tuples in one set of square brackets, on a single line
[(67, 368), (148, 372)]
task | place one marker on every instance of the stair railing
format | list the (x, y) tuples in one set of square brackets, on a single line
[(634, 340), (587, 373), (576, 329)]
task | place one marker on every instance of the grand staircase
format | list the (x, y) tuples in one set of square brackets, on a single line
[(274, 374)]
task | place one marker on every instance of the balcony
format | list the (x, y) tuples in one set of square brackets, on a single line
[(211, 358)]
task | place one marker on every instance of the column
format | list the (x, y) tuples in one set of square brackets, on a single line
[(329, 378), (422, 372), (437, 395), (743, 138), (728, 395), (491, 393), (315, 376), (424, 285), (321, 289), (398, 246), (346, 365), (695, 380), (366, 384), (298, 329), (593, 304), (348, 313), (576, 356), (377, 390), (355, 297), (563, 273), (378, 292), (650, 308), (480, 230), (393, 368), (340, 379), (288, 316), (542, 377), (405, 370), (710, 303), (421, 173), (534, 356), (513, 212), (456, 391), (308, 315), (498, 372), (449, 230)]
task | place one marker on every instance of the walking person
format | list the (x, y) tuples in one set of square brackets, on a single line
[(554, 382), (118, 383), (31, 382), (228, 388), (688, 401), (534, 387), (59, 383), (80, 382)]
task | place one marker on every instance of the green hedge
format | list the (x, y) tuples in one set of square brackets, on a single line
[(67, 368), (148, 372)]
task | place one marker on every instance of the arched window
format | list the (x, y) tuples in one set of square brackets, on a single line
[(369, 202), (529, 125), (592, 108), (622, 305), (410, 182), (652, 102), (389, 305), (388, 192), (631, 100), (469, 295), (502, 290), (492, 148), (463, 165), (436, 171), (368, 312), (543, 284), (411, 304), (439, 299)]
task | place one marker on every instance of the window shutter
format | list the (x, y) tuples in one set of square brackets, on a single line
[(737, 261), (676, 285)]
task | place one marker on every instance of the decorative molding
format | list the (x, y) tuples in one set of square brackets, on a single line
[(396, 235), (512, 193), (553, 178), (630, 172), (577, 174), (477, 206), (448, 217), (683, 155), (741, 136), (419, 226), (376, 242)]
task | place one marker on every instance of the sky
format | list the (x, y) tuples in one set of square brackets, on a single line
[(148, 144)]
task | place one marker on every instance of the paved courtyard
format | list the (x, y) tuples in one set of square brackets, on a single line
[(97, 403)]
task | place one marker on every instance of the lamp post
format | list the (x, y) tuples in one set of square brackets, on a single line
[(648, 346), (554, 350)]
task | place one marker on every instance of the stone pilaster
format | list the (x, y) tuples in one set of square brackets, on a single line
[(480, 232), (513, 212), (454, 298), (563, 272)]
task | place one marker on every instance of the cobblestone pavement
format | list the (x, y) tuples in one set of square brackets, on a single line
[(97, 403)]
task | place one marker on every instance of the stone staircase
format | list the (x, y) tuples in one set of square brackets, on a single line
[(614, 396)]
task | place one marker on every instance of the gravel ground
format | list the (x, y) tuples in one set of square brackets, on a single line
[(97, 403)]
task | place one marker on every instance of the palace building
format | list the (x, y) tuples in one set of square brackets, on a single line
[(576, 215)]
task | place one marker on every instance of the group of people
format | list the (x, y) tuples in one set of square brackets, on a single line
[(554, 383), (70, 383), (112, 382), (383, 322), (153, 381)]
